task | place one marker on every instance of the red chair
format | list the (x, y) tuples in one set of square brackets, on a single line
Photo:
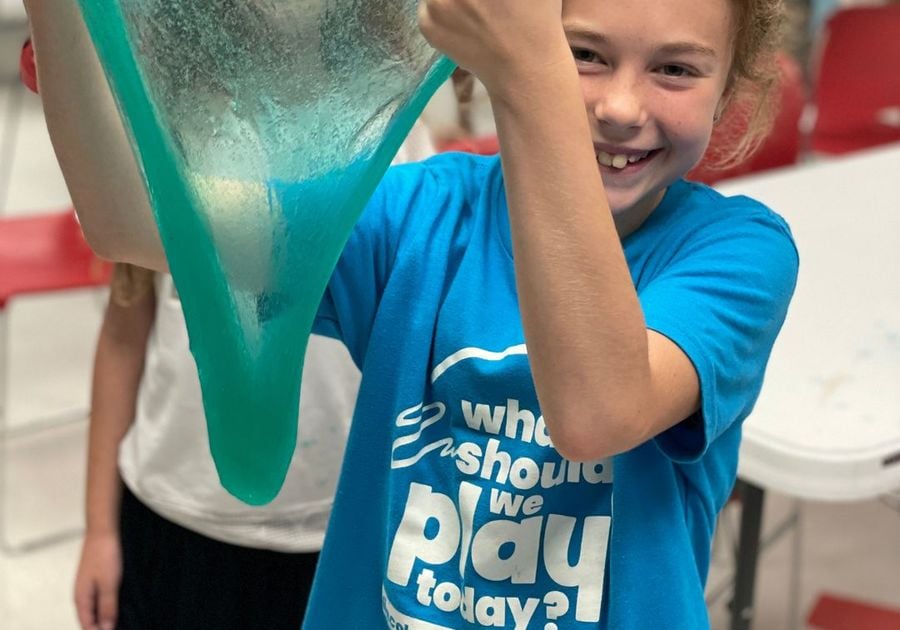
[(484, 145), (27, 69), (46, 252), (832, 612), (857, 80), (781, 146)]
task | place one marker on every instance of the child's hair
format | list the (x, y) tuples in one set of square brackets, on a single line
[(752, 87), (129, 284)]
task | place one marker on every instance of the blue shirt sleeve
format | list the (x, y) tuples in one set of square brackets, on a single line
[(348, 308), (723, 300)]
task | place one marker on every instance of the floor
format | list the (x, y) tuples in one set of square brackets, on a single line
[(850, 550)]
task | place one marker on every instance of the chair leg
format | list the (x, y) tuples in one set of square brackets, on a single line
[(747, 556), (796, 567), (724, 551), (749, 544)]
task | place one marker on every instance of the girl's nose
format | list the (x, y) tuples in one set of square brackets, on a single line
[(619, 105)]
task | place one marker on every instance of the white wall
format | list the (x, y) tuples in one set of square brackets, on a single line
[(12, 9)]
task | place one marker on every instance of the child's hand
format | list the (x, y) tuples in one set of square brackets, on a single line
[(97, 582), (502, 42)]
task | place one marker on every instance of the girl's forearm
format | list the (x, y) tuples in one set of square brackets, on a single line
[(587, 341), (89, 138), (118, 368), (103, 494)]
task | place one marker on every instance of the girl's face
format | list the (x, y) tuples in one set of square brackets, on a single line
[(653, 73)]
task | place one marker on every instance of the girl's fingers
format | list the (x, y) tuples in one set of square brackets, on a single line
[(108, 606), (84, 606)]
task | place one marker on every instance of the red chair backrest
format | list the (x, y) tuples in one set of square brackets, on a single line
[(483, 145), (781, 146), (857, 80), (46, 252), (27, 69)]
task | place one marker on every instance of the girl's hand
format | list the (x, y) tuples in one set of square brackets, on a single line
[(502, 42), (97, 582)]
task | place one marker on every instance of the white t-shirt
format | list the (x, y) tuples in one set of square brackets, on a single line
[(166, 462), (165, 459)]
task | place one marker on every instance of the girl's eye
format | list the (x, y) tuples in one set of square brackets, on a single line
[(584, 55), (676, 71)]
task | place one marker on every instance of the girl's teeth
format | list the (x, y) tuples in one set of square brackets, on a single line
[(619, 161)]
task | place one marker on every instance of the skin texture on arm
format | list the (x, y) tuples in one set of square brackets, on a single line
[(89, 139), (118, 367), (605, 383)]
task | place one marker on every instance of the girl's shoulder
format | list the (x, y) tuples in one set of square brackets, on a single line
[(438, 188), (696, 224), (733, 205), (451, 171), (435, 200), (701, 207)]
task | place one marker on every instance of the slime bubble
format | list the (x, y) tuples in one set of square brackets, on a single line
[(261, 127)]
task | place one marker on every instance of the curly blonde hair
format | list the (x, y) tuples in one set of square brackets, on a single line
[(129, 284), (751, 91)]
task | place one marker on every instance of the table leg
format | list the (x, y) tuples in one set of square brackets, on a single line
[(747, 555)]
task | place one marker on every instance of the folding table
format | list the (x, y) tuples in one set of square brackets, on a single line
[(827, 424)]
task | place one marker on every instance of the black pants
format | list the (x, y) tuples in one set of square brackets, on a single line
[(176, 579)]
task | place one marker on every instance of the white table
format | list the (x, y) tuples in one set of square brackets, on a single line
[(827, 424)]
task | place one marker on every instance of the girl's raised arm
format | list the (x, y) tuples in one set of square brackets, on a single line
[(89, 139), (605, 383)]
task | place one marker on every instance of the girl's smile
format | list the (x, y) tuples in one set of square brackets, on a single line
[(651, 89), (621, 161)]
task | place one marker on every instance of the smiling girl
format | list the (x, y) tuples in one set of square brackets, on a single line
[(559, 344)]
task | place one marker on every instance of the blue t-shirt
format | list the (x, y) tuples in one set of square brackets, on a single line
[(453, 509)]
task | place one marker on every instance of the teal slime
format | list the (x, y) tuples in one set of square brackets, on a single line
[(262, 128)]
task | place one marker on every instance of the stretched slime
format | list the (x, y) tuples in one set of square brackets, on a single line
[(262, 128)]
